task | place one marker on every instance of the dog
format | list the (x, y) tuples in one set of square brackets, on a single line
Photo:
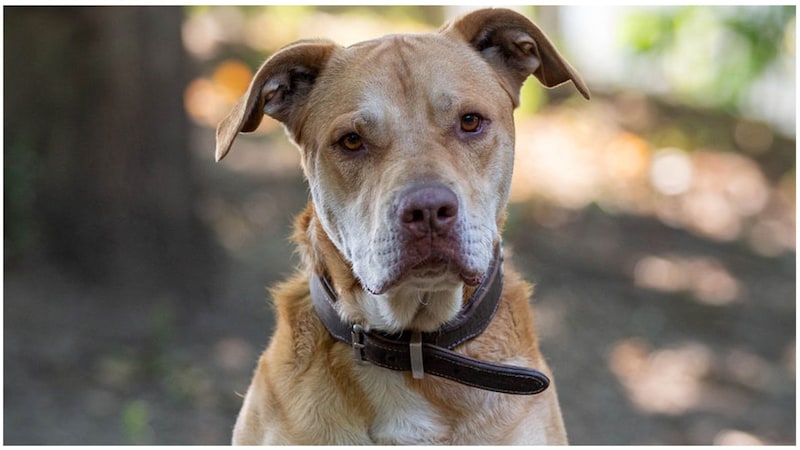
[(402, 324)]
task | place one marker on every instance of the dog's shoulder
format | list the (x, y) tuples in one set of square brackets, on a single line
[(304, 386), (298, 329), (516, 309)]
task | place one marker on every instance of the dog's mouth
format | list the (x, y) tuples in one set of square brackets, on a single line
[(436, 267), (431, 269)]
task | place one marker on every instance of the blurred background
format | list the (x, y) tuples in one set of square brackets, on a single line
[(657, 220)]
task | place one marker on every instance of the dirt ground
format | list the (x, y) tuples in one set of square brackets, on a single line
[(85, 364)]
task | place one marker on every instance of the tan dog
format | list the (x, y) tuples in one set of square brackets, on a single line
[(407, 143)]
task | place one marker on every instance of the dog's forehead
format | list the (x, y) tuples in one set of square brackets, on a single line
[(416, 70), (397, 47), (409, 64)]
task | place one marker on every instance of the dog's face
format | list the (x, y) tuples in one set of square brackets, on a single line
[(407, 141), (409, 166)]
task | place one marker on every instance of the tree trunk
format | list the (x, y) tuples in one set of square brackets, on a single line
[(97, 170)]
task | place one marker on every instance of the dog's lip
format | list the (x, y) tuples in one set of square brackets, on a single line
[(436, 266), (431, 266)]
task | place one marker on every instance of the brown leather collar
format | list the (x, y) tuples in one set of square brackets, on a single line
[(432, 352)]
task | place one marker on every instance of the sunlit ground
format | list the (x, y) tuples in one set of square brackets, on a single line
[(575, 157)]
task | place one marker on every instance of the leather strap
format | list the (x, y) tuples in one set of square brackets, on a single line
[(431, 353)]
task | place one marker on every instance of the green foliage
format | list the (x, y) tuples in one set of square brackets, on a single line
[(430, 15), (135, 418), (532, 97), (710, 55)]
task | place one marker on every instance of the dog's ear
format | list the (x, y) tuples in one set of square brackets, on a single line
[(515, 47), (279, 89)]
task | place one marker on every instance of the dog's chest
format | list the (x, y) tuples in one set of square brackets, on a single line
[(402, 415)]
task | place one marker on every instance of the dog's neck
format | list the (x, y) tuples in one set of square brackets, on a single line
[(423, 306)]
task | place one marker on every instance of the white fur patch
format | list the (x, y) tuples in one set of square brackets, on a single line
[(402, 415)]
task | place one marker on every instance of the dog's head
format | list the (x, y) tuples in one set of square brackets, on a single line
[(407, 142)]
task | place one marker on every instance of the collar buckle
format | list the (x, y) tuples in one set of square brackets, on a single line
[(357, 336), (415, 355)]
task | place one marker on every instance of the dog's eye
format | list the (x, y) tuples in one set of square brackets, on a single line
[(352, 142), (471, 123)]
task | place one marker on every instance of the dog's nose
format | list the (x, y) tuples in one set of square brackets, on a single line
[(428, 208)]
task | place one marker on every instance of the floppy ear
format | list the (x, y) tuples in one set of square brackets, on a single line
[(515, 47), (279, 89)]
